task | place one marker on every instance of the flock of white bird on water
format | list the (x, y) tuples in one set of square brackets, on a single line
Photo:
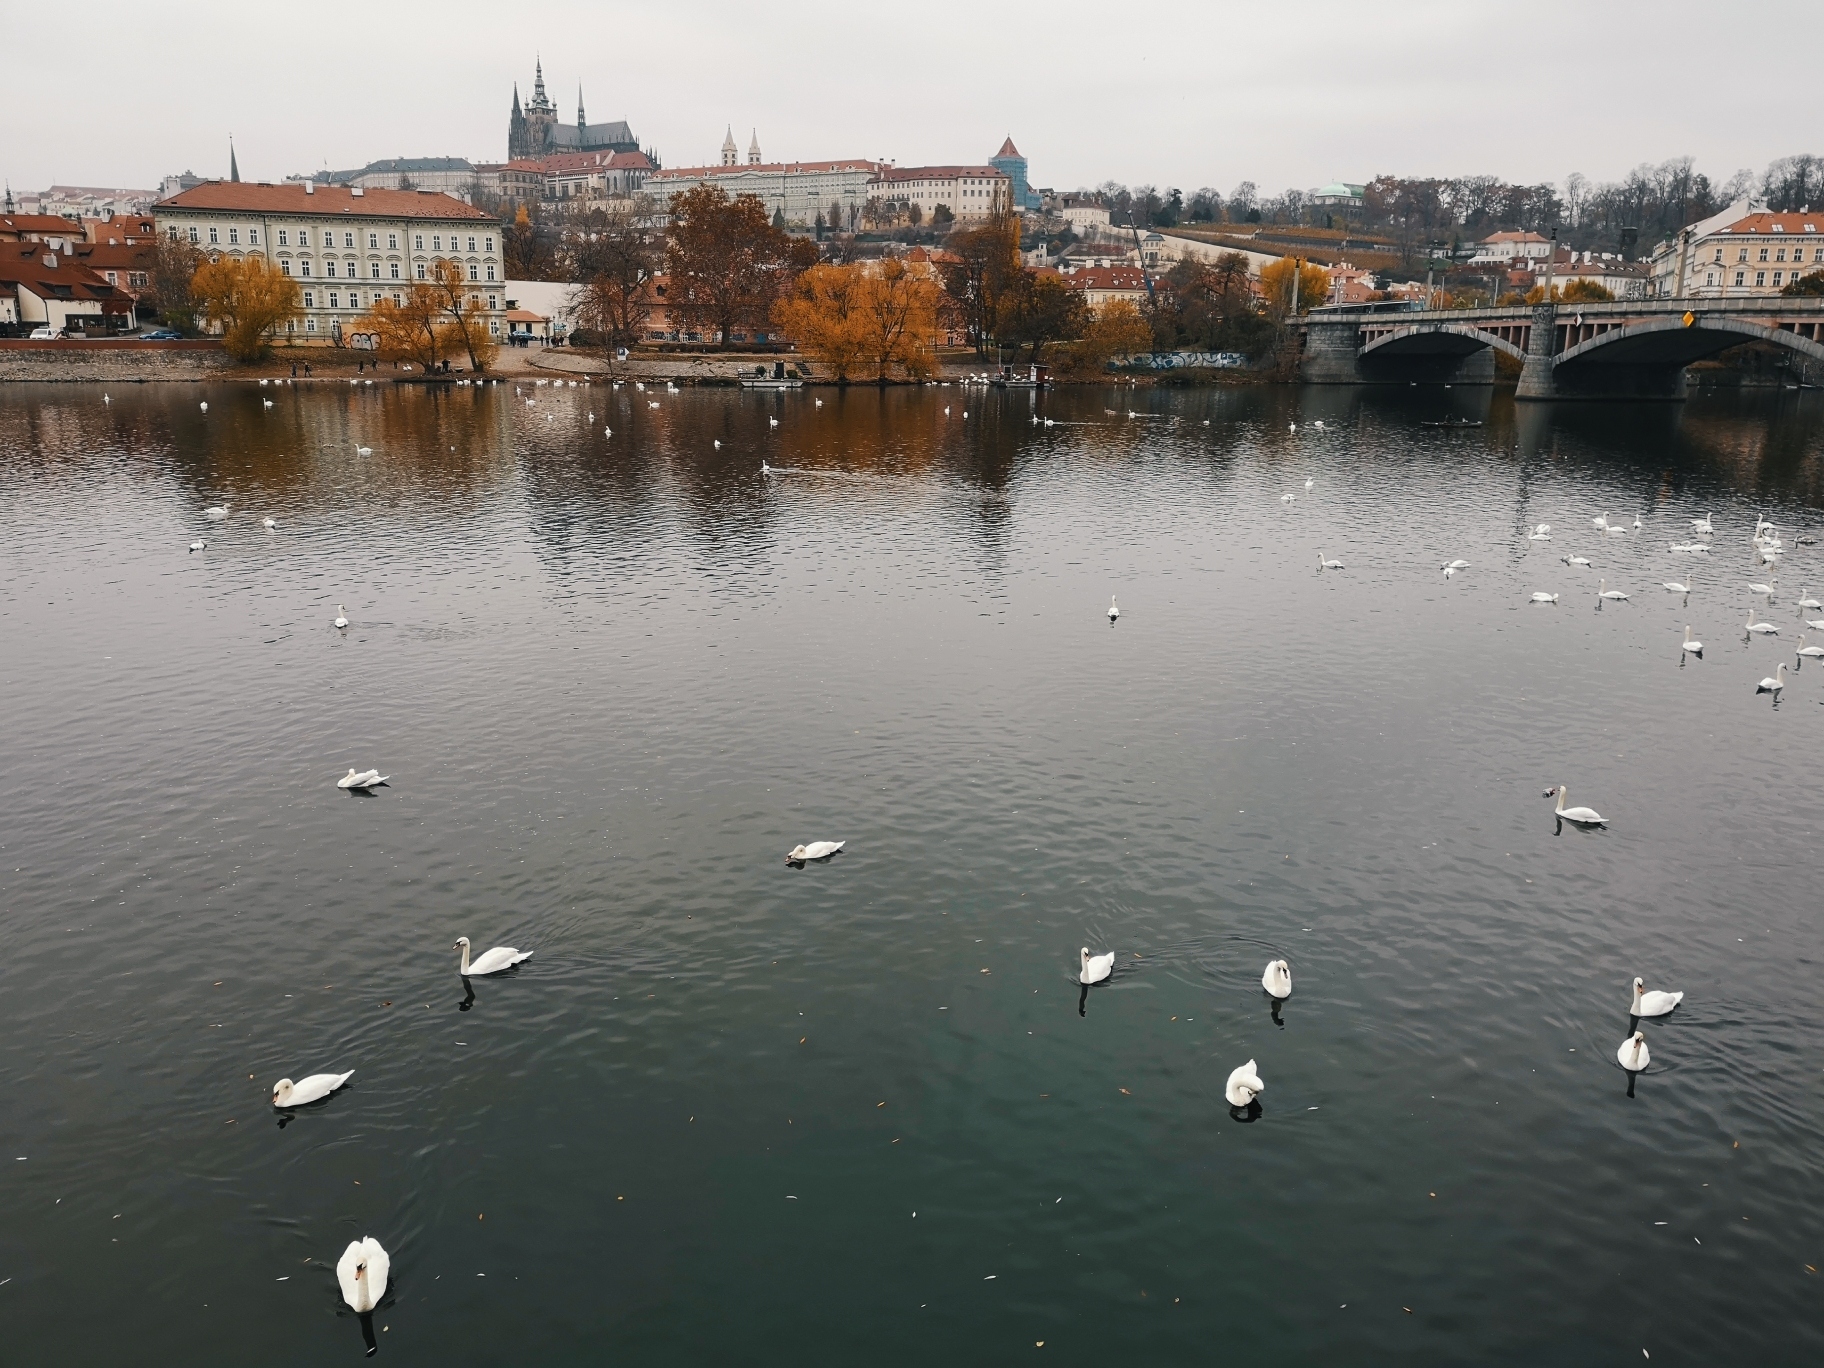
[(363, 1267)]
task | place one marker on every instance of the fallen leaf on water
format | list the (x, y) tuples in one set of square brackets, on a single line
[(882, 1104), (1128, 1093), (802, 1039), (1407, 1310)]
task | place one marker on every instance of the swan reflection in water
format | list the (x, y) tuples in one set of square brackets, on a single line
[(1274, 1004), (468, 996), (1246, 1115)]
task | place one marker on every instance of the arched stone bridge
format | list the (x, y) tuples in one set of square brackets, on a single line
[(1628, 349)]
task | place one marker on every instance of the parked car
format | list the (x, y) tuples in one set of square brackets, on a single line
[(47, 334), (162, 335)]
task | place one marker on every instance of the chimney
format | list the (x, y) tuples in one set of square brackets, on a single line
[(356, 190), (310, 187)]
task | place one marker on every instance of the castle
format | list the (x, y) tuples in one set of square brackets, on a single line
[(535, 132)]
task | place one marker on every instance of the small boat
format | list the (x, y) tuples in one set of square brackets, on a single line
[(1451, 423)]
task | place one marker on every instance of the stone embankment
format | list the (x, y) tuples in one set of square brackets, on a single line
[(118, 362)]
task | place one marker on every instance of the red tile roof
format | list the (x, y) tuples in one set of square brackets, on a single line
[(1792, 222), (698, 172), (1008, 149), (25, 264), (905, 173), (50, 224), (1107, 278), (249, 198), (589, 161)]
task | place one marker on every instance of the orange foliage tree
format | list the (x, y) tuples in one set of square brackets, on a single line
[(433, 321), (859, 320), (247, 299), (1276, 285), (728, 264)]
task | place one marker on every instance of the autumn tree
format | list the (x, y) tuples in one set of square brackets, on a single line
[(1812, 284), (981, 263), (1215, 306), (728, 265), (1118, 328), (462, 317), (529, 248), (1038, 307), (172, 277), (615, 262), (1276, 285), (822, 315), (1586, 292), (247, 299), (865, 319), (413, 329)]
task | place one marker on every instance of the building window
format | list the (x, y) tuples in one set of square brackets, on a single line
[(395, 266), (490, 270), (213, 238), (398, 299), (476, 275), (234, 239), (1719, 260), (335, 300), (285, 266), (1738, 277), (373, 241), (253, 237), (493, 305), (310, 299), (193, 235), (1777, 256), (437, 242), (421, 270), (1709, 279), (1763, 255), (392, 242), (1742, 255), (418, 243), (1776, 277), (494, 324), (285, 241), (310, 325), (373, 270), (348, 239), (304, 269), (1760, 277), (490, 242), (291, 325)]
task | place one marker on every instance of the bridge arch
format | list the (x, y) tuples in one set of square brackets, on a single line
[(1668, 342), (1432, 339)]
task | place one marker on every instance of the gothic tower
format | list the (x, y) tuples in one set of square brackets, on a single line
[(729, 153), (753, 150), (529, 129), (582, 124)]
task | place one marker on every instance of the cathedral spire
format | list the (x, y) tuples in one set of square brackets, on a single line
[(753, 149), (729, 154), (234, 167), (581, 122), (538, 88), (516, 98)]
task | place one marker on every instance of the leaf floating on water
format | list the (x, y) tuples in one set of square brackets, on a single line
[(1128, 1093)]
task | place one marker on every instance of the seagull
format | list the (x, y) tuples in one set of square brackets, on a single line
[(1603, 591), (1695, 647), (1575, 560), (492, 962), (361, 779), (1583, 816), (816, 850), (1323, 564), (1774, 683), (1653, 1004), (1095, 967), (1545, 598), (1113, 611), (341, 616)]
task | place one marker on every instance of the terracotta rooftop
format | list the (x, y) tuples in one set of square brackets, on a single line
[(1794, 222), (38, 223), (1107, 278), (906, 173), (589, 161), (251, 198), (50, 275), (698, 172)]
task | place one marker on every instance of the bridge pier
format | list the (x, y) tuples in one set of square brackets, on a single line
[(1331, 345), (1536, 379)]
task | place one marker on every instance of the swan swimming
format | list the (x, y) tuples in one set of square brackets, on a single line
[(1702, 526), (1583, 816), (1309, 483), (362, 1271), (1095, 967), (355, 779), (1600, 522), (1806, 601), (1811, 652), (1653, 1004), (341, 617), (1765, 628), (1545, 598), (269, 523), (765, 469), (1603, 591), (285, 1093), (1244, 1085), (363, 451), (774, 422), (1695, 647), (816, 850), (1633, 1054), (1774, 683), (204, 406), (1285, 498), (1766, 589), (500, 957), (716, 444), (1114, 609), (1323, 564), (217, 513), (1278, 979), (199, 546), (1675, 587), (1538, 536), (1455, 565), (1575, 560)]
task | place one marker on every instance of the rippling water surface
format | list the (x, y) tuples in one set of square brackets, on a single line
[(732, 1111)]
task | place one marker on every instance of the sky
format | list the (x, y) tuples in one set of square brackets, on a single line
[(1204, 93)]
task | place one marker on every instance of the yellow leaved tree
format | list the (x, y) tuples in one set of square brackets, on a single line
[(864, 321), (1276, 285), (431, 322), (247, 299)]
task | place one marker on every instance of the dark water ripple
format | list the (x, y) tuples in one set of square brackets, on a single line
[(615, 679)]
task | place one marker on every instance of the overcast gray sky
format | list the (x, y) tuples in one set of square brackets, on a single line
[(1194, 93)]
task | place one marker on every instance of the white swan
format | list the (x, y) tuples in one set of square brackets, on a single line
[(946, 410), (1673, 586), (1286, 498), (492, 962), (1702, 526), (1774, 683), (341, 617), (363, 451), (361, 778), (199, 546), (285, 1093), (1543, 528), (217, 513), (1323, 564), (1810, 651), (1095, 967), (1244, 1085), (816, 850), (1582, 815), (652, 403), (716, 444), (267, 402), (1455, 565), (1765, 628), (1319, 424), (1575, 560), (1545, 598), (1603, 591), (269, 523), (1806, 601), (1538, 536), (1695, 647), (1449, 572), (774, 422), (1766, 589), (1816, 624), (1278, 979), (765, 469), (1652, 1004), (1637, 522), (1633, 1054), (204, 407), (1309, 483), (362, 1272), (1114, 609), (1600, 522)]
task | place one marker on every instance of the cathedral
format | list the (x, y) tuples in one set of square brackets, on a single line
[(535, 132)]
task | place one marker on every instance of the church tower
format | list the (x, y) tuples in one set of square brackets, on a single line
[(529, 129), (730, 154), (582, 124), (753, 150)]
